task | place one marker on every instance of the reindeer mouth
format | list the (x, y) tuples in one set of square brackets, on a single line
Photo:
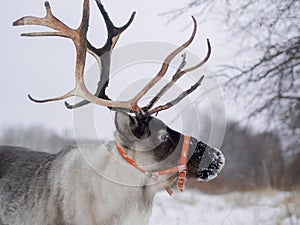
[(206, 162), (217, 162)]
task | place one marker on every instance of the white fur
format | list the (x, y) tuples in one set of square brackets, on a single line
[(82, 188), (91, 198)]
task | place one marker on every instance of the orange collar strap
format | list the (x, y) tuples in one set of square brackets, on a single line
[(181, 168)]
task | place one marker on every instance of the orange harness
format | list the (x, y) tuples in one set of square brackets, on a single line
[(181, 168)]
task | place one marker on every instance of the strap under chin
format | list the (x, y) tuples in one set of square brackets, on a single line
[(181, 168)]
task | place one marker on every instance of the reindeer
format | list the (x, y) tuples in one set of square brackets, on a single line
[(41, 188)]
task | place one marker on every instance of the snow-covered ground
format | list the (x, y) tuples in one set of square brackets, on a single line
[(195, 208)]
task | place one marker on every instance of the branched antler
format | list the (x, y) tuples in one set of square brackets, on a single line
[(165, 65), (176, 76), (103, 54), (78, 36), (103, 57)]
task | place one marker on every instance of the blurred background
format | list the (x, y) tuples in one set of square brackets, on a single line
[(255, 60)]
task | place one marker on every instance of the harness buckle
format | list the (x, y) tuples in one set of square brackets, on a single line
[(181, 180)]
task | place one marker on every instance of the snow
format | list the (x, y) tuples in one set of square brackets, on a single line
[(195, 208)]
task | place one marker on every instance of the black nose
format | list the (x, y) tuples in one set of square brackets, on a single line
[(206, 162)]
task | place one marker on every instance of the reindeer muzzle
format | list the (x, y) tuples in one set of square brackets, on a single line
[(206, 162)]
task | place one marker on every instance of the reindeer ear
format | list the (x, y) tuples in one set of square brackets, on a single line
[(125, 122)]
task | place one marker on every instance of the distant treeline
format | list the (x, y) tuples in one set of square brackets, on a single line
[(253, 160), (37, 138)]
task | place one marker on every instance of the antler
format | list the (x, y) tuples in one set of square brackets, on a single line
[(179, 73), (103, 54), (78, 36), (103, 57), (165, 65)]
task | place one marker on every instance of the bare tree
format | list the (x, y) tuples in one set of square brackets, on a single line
[(266, 34)]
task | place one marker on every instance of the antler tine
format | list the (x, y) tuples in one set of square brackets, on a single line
[(179, 73), (103, 54), (165, 65), (67, 95), (178, 99)]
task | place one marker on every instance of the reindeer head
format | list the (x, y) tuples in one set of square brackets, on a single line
[(148, 141), (139, 135)]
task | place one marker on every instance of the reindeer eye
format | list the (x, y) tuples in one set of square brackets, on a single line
[(163, 136)]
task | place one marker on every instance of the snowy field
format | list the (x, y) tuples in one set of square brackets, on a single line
[(196, 208)]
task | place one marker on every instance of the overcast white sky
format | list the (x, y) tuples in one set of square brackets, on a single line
[(44, 67)]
